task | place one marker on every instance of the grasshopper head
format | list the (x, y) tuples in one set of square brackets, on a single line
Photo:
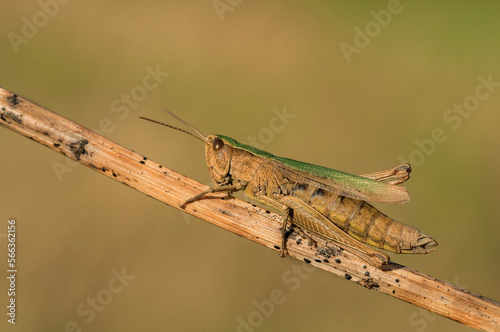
[(218, 154)]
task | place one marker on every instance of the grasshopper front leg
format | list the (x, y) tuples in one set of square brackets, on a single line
[(229, 188)]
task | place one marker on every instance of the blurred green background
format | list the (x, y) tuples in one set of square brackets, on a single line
[(361, 102)]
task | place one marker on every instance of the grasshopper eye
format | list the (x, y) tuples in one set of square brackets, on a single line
[(218, 143)]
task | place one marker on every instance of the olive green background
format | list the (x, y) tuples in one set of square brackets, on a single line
[(227, 76)]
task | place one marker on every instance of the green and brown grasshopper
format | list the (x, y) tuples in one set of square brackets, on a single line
[(329, 203)]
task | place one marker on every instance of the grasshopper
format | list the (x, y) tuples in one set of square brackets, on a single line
[(329, 203)]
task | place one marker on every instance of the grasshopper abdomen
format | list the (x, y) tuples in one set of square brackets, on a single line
[(364, 222)]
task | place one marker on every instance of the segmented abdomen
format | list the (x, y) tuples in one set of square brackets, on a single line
[(364, 222)]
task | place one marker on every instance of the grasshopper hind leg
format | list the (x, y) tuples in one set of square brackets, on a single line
[(297, 212), (286, 219), (310, 219)]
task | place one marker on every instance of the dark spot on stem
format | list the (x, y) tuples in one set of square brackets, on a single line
[(225, 212), (13, 100), (307, 261), (368, 283), (11, 116), (78, 148)]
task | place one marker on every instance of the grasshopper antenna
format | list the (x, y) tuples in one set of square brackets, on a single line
[(201, 137)]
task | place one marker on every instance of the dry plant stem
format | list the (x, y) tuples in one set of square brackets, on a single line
[(239, 217)]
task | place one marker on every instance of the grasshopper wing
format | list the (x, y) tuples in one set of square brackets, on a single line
[(344, 184)]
